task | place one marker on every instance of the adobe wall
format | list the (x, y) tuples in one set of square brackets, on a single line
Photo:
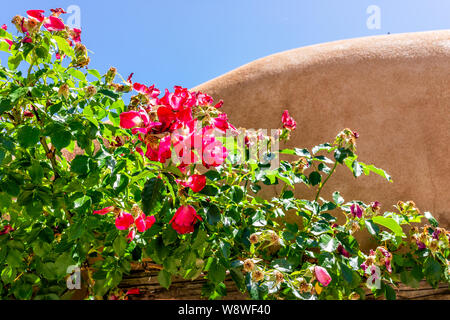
[(393, 89)]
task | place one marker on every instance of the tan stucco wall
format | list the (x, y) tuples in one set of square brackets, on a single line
[(394, 90)]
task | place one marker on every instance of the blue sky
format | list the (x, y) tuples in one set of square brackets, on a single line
[(187, 42)]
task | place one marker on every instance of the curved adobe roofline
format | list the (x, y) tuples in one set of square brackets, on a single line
[(416, 45)]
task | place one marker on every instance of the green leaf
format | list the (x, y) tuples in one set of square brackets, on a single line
[(347, 273), (95, 73), (315, 178), (82, 203), (209, 190), (18, 93), (282, 265), (28, 136), (42, 52), (259, 219), (8, 275), (357, 169), (212, 175), (328, 243), (371, 168), (237, 194), (36, 172), (5, 105), (119, 246), (216, 272), (389, 292), (431, 219), (164, 279), (391, 224), (14, 61), (320, 227), (62, 263), (109, 93), (80, 165), (432, 271), (152, 195), (213, 215), (64, 46), (200, 239), (77, 74), (23, 291), (341, 154), (302, 152), (372, 228), (169, 236), (337, 198), (60, 138)]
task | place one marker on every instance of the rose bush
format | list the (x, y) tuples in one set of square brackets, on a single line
[(163, 182)]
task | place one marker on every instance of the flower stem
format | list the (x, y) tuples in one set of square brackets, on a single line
[(325, 181)]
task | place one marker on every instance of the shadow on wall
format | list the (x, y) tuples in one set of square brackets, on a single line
[(394, 90)]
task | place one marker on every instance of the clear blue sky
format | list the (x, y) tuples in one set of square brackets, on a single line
[(187, 42)]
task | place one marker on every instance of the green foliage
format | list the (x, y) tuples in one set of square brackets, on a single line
[(48, 200)]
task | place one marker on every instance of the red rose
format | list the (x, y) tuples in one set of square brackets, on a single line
[(196, 182), (184, 219), (144, 223), (124, 221)]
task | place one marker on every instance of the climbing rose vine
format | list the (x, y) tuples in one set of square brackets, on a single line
[(92, 180)]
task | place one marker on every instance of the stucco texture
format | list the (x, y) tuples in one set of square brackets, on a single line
[(393, 90)]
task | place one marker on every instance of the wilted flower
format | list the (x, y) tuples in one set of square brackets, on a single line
[(375, 206), (420, 245), (354, 296), (254, 238), (274, 238), (75, 35), (249, 265), (110, 75), (434, 245), (369, 261), (279, 277), (32, 25), (304, 286), (346, 139), (64, 90), (355, 226), (57, 12), (257, 275), (90, 91), (356, 210), (81, 56), (383, 257), (17, 21), (80, 49)]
